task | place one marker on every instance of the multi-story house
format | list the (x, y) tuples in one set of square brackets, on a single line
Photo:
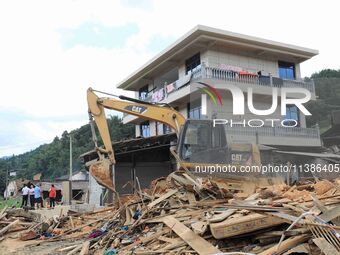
[(220, 57)]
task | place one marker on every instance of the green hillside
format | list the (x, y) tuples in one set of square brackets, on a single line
[(52, 160)]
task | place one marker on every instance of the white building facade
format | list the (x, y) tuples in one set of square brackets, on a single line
[(221, 58)]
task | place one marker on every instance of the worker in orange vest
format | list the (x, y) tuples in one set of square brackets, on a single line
[(52, 195)]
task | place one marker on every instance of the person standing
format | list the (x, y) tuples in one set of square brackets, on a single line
[(37, 196), (31, 195), (52, 195), (24, 191)]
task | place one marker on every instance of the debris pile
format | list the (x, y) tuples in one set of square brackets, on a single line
[(185, 214)]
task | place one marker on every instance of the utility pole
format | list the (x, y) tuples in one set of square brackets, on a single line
[(70, 174), (6, 190)]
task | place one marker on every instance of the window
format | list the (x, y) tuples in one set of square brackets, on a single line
[(145, 129), (194, 110), (197, 138), (292, 113), (143, 92), (162, 129), (193, 63), (286, 70)]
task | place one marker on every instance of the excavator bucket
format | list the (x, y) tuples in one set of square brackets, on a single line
[(101, 171)]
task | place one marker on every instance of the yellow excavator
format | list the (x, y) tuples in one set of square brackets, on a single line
[(199, 143)]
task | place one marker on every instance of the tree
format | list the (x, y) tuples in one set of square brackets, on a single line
[(52, 160), (327, 89)]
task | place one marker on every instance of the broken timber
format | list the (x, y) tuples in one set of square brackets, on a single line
[(200, 245)]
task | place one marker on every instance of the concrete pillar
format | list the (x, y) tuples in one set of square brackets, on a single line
[(66, 191), (95, 191)]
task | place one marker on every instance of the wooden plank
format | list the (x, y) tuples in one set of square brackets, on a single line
[(5, 229), (71, 221), (68, 248), (128, 217), (3, 215), (163, 197), (325, 246), (222, 216), (199, 227), (173, 246), (242, 225), (4, 209), (191, 197), (167, 239), (180, 179), (227, 213), (75, 250), (331, 214), (154, 236), (287, 217), (85, 248), (285, 245), (200, 245), (300, 249), (318, 203), (192, 180), (324, 209)]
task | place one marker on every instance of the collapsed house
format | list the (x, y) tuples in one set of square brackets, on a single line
[(184, 214), (13, 188), (80, 185)]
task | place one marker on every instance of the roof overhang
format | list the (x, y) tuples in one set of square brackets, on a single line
[(203, 37)]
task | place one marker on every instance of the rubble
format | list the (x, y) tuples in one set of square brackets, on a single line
[(185, 214)]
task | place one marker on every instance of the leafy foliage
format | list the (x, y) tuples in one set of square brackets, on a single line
[(327, 88), (52, 160)]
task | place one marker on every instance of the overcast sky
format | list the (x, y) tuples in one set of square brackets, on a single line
[(52, 51)]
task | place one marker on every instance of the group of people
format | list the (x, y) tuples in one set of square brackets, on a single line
[(33, 194)]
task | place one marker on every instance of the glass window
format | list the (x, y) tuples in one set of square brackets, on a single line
[(292, 113), (145, 129), (162, 129), (197, 139), (167, 129), (194, 110), (193, 63), (286, 70), (159, 128), (143, 92)]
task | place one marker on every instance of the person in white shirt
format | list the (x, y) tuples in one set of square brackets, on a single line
[(31, 196), (24, 191)]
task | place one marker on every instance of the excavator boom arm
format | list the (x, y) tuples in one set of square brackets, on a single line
[(97, 105)]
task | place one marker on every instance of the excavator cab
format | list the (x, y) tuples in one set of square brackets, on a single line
[(201, 142)]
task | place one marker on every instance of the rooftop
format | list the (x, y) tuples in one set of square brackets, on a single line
[(203, 37)]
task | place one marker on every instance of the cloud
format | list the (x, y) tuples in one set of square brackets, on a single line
[(97, 35), (52, 51), (20, 132)]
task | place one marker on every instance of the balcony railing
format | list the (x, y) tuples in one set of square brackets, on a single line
[(275, 132), (206, 72)]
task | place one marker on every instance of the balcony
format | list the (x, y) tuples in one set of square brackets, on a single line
[(241, 78), (295, 136), (220, 74)]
